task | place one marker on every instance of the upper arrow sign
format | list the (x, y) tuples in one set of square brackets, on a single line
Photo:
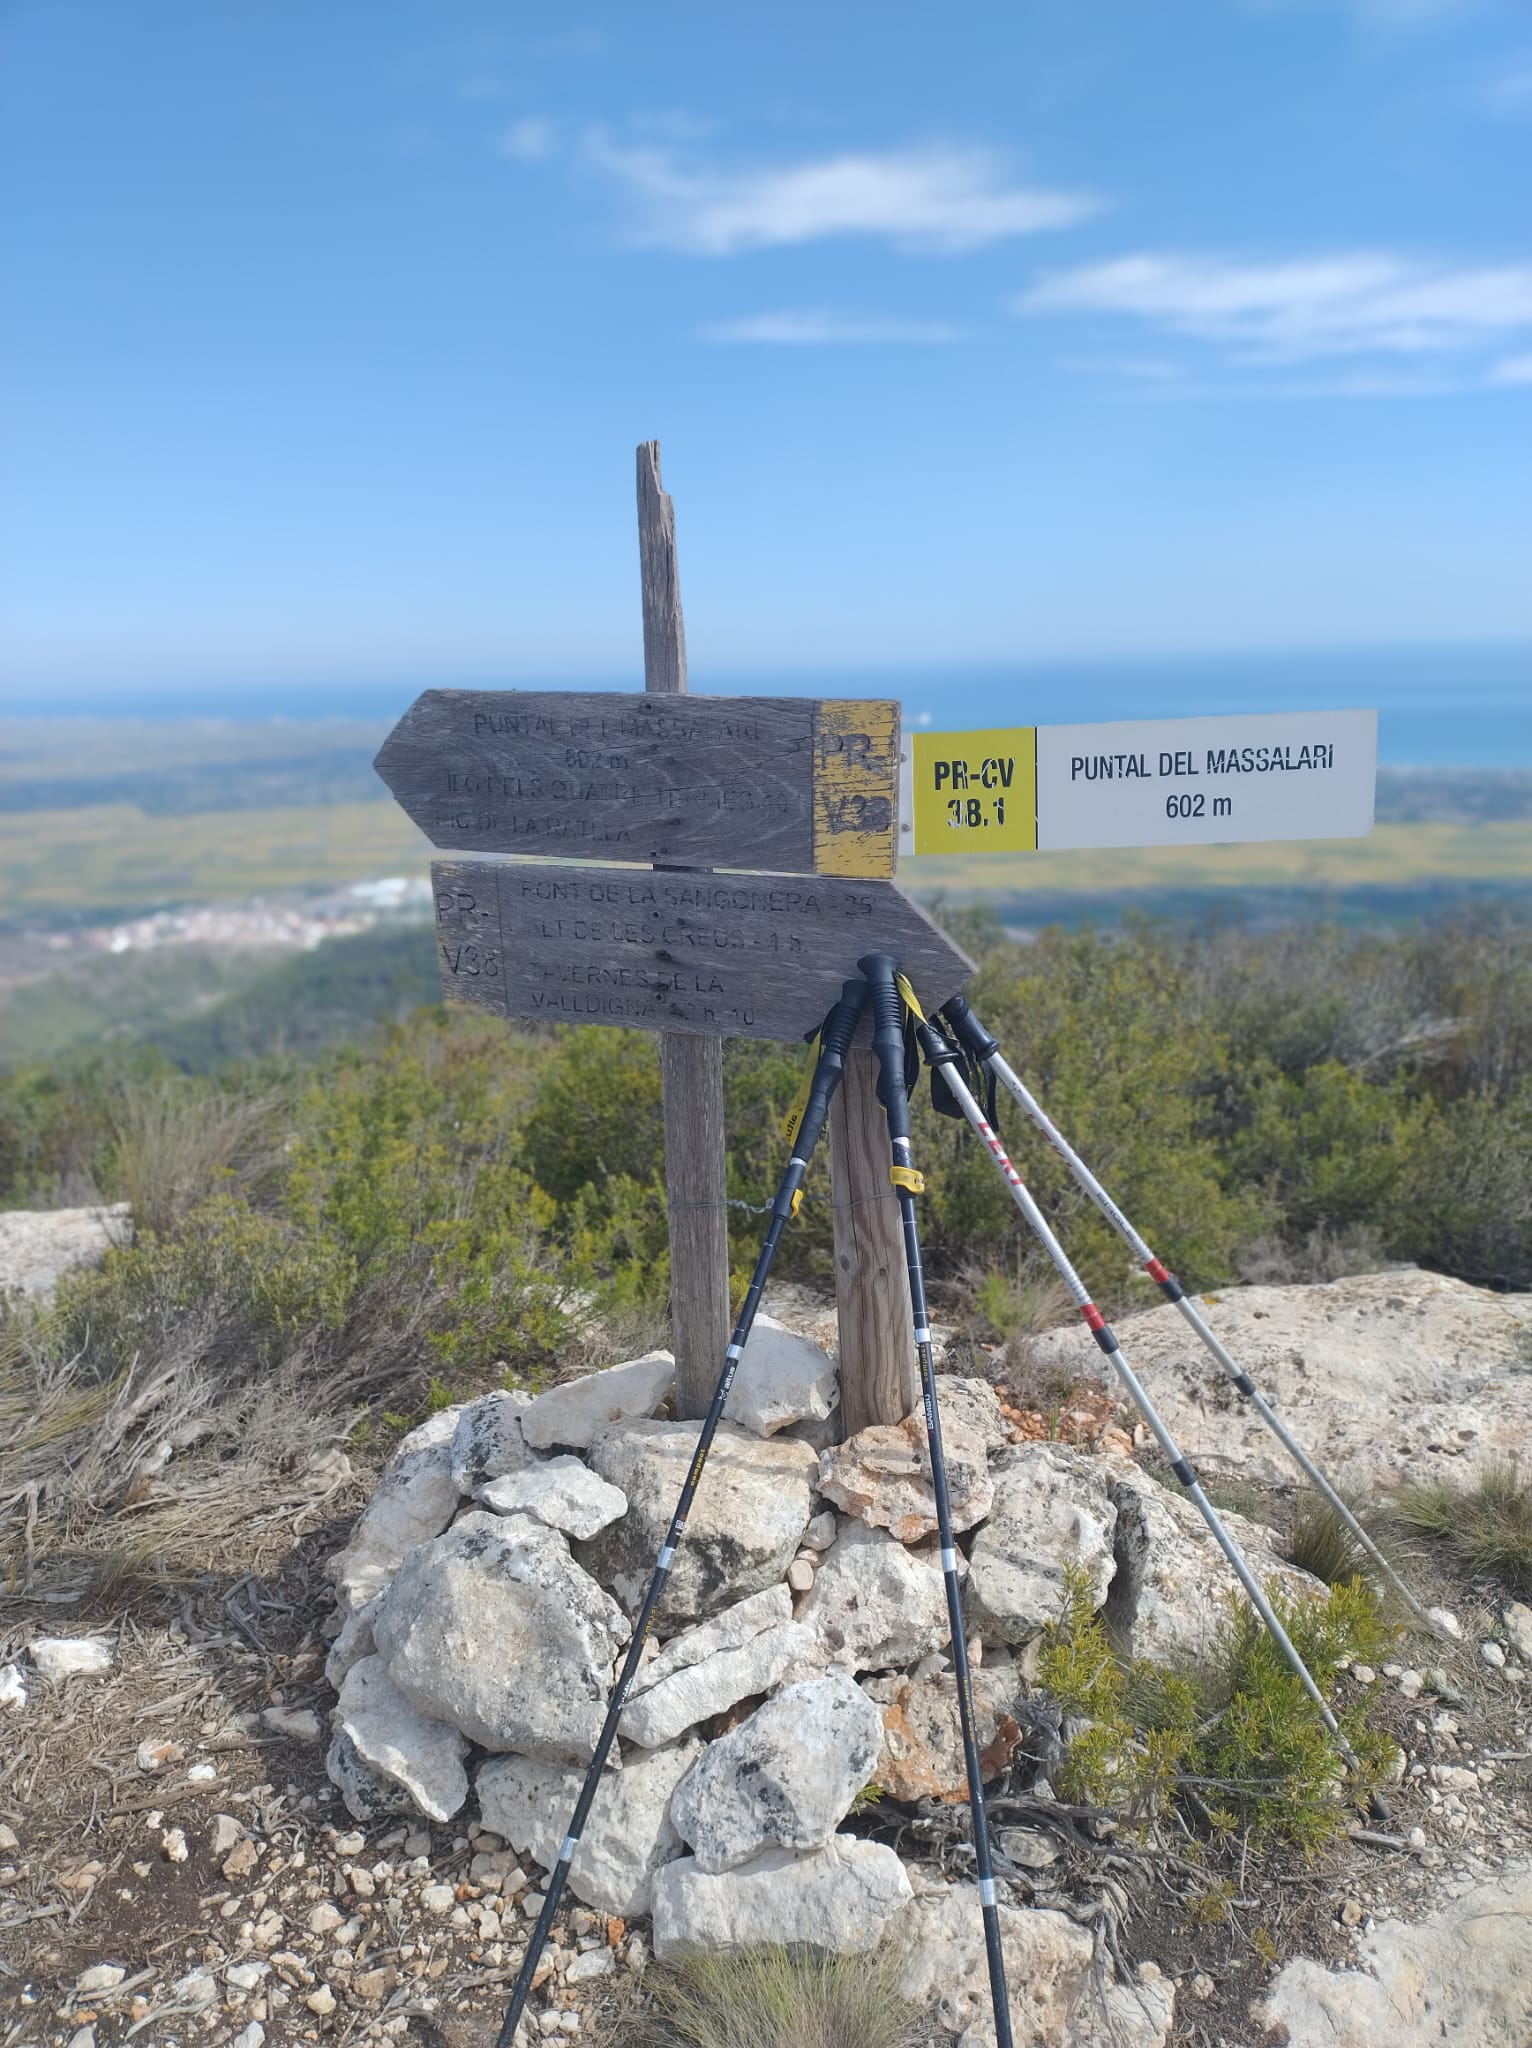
[(790, 785), (732, 956)]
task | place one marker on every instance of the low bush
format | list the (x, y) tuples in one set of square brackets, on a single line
[(1239, 1745)]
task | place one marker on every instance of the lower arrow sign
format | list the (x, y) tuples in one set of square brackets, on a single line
[(734, 956)]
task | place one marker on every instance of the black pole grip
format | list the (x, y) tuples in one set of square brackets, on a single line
[(834, 1044), (888, 1040), (967, 1030)]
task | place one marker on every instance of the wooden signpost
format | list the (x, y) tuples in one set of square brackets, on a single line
[(756, 838)]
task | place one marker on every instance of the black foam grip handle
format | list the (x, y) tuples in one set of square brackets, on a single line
[(888, 1039), (840, 1025), (967, 1029), (835, 1041)]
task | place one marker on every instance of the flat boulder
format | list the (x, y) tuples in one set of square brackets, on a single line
[(838, 1899), (781, 1379), (576, 1413), (1174, 1588), (1050, 1976), (785, 1778), (1382, 1377), (882, 1476), (414, 1500), (1459, 1975), (423, 1757), (1052, 1515), (874, 1604), (708, 1669), (562, 1492), (751, 1509), (495, 1628), (627, 1837)]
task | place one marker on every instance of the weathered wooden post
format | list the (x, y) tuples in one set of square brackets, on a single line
[(879, 1378), (691, 1068)]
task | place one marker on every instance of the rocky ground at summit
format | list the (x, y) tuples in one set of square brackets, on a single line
[(319, 1803)]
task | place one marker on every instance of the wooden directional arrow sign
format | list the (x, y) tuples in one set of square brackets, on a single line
[(790, 785), (727, 955)]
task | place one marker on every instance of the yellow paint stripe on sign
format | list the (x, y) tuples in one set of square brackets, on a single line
[(972, 792), (856, 784)]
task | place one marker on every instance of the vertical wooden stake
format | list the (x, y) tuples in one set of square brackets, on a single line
[(691, 1068), (879, 1378)]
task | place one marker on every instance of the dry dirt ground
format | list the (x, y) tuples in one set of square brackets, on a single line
[(171, 1821)]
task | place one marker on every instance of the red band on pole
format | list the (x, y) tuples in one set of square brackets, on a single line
[(1094, 1319), (1156, 1272)]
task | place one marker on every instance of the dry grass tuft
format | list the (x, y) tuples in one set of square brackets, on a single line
[(175, 1142), (779, 1998), (1487, 1524)]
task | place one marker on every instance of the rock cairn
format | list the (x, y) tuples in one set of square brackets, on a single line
[(486, 1596)]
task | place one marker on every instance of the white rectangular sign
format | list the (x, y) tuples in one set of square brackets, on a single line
[(1140, 782), (1193, 781)]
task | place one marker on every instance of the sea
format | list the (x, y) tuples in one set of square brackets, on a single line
[(1438, 707)]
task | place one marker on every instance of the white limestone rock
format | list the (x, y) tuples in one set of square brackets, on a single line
[(414, 1500), (495, 1628), (38, 1246), (349, 1648), (627, 1837), (1052, 1513), (367, 1794), (1383, 1376), (839, 1898), (922, 1752), (1174, 1587), (1049, 1963), (975, 1404), (710, 1668), (61, 1657), (749, 1514), (576, 1413), (562, 1492), (1459, 1976), (423, 1757), (488, 1442), (785, 1778), (874, 1605), (882, 1476), (781, 1379)]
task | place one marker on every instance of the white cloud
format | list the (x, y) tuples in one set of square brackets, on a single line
[(811, 328), (1295, 312), (530, 139), (936, 199), (1514, 370)]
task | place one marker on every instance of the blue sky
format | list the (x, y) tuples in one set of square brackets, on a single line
[(972, 335)]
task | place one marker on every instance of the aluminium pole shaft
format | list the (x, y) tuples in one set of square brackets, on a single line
[(835, 1038), (973, 1037), (888, 1043), (938, 1051)]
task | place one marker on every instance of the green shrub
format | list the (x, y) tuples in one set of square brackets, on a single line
[(1328, 1148), (1244, 1737)]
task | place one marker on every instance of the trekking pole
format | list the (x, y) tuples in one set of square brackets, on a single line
[(944, 1058), (984, 1049), (806, 1123), (888, 1043)]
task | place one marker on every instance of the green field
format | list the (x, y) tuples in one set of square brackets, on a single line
[(61, 866)]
